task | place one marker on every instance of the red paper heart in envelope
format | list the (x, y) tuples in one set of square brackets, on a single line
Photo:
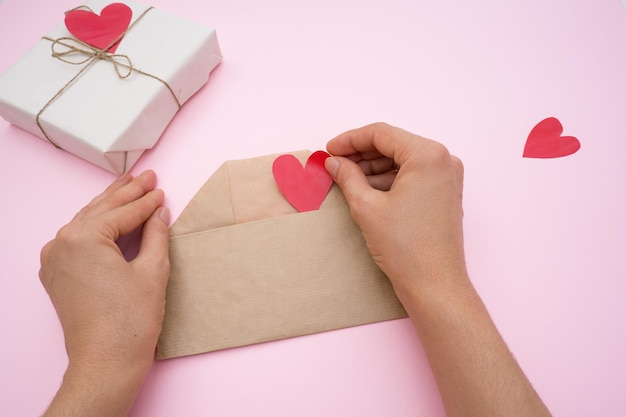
[(100, 31), (305, 188)]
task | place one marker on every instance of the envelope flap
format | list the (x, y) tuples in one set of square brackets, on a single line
[(242, 191), (211, 207)]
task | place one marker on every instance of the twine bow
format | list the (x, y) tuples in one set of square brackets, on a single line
[(76, 52)]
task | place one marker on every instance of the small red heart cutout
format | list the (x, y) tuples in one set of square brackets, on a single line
[(545, 141), (304, 187), (100, 31)]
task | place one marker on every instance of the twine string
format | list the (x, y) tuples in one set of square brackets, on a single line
[(83, 7), (76, 52)]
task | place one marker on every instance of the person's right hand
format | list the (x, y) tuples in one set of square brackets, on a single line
[(405, 193)]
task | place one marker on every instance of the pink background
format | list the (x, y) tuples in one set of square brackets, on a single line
[(546, 239)]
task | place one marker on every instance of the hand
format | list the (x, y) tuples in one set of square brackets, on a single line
[(111, 310), (405, 193)]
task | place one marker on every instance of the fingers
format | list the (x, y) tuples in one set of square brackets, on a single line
[(123, 191), (121, 181), (154, 249), (377, 166), (367, 155), (382, 182), (132, 191), (382, 138), (349, 177), (129, 217)]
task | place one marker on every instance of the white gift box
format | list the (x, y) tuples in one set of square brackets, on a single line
[(99, 116)]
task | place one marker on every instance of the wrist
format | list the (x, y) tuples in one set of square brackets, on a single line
[(103, 373), (432, 292), (97, 389), (124, 358)]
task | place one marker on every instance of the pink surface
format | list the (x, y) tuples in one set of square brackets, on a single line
[(546, 238)]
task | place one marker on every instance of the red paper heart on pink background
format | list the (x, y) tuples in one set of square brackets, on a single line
[(304, 187), (100, 30), (545, 141)]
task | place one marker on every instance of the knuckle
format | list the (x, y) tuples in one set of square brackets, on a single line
[(85, 210), (381, 127), (456, 161), (458, 165), (383, 130), (73, 234), (437, 152), (45, 252), (45, 257), (66, 234)]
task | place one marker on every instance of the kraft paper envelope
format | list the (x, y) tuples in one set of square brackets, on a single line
[(247, 268)]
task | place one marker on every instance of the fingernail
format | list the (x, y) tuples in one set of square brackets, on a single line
[(332, 165), (164, 214)]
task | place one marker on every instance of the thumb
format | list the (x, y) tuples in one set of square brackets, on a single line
[(349, 177), (155, 242)]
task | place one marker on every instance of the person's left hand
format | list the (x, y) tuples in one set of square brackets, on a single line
[(111, 310)]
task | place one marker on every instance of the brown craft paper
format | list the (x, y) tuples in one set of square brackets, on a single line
[(248, 268)]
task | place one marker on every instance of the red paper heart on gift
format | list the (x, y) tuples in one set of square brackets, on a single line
[(304, 187), (545, 141), (100, 31)]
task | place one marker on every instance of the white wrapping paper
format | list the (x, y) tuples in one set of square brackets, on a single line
[(100, 117)]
